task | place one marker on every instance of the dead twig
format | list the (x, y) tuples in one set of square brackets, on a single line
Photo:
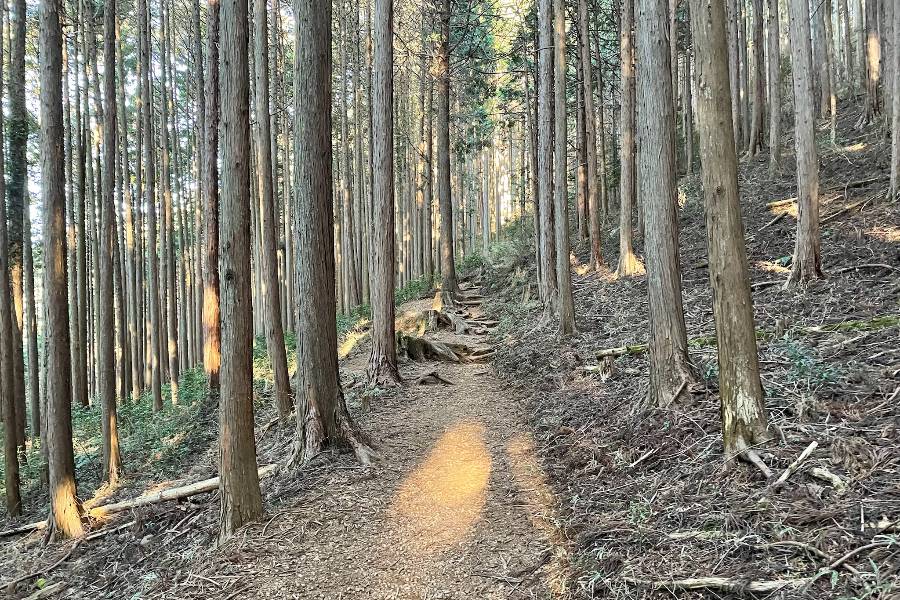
[(792, 468), (719, 583)]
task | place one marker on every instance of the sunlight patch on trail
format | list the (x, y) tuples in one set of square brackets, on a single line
[(439, 503)]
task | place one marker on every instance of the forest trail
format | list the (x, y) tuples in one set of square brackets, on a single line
[(456, 507)]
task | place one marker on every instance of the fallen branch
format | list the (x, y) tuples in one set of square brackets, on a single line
[(719, 583), (777, 218), (792, 468), (11, 586), (432, 378), (200, 487), (844, 210), (825, 475), (878, 266), (48, 591)]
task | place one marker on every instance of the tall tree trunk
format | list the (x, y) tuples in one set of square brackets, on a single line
[(895, 126), (590, 136), (271, 295), (873, 61), (688, 111), (546, 46), (112, 459), (628, 262), (733, 15), (31, 332), (150, 200), (740, 390), (757, 81), (322, 417), (382, 368), (239, 482), (18, 168), (7, 352), (807, 261), (566, 304), (212, 327), (774, 76), (428, 177), (445, 202), (65, 510), (670, 366)]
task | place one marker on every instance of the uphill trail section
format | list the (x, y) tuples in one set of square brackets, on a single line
[(456, 507)]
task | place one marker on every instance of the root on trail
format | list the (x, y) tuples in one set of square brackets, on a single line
[(420, 349)]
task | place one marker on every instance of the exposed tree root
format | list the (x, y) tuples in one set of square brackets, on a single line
[(421, 349), (433, 378)]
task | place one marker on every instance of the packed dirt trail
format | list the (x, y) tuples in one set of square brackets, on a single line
[(456, 506)]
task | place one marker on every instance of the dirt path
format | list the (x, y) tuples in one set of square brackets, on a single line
[(457, 506)]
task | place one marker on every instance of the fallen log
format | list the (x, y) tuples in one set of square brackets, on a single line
[(178, 493)]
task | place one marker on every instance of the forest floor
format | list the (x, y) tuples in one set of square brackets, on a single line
[(455, 507), (545, 474), (644, 494)]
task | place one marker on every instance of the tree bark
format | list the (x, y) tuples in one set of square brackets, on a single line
[(566, 304), (628, 262), (774, 76), (740, 390), (241, 501), (873, 61), (65, 510), (265, 185), (382, 368), (212, 328), (31, 332), (445, 206), (18, 168), (590, 123), (112, 459), (758, 81), (544, 174), (670, 365), (807, 261), (895, 127)]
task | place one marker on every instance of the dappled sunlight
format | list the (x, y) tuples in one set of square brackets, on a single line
[(859, 147), (885, 233), (771, 267), (352, 339), (102, 494), (439, 503)]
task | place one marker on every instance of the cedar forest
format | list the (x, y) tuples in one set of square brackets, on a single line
[(450, 299)]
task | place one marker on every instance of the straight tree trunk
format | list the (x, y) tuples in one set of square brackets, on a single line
[(428, 176), (740, 391), (382, 368), (18, 168), (566, 304), (546, 46), (65, 510), (7, 384), (265, 185), (757, 81), (688, 111), (150, 200), (849, 59), (590, 123), (733, 15), (212, 328), (807, 261), (445, 202), (322, 417), (31, 332), (628, 261), (112, 459), (241, 500), (895, 126), (774, 75), (873, 61), (670, 365)]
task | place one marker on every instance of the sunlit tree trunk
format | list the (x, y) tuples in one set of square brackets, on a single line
[(872, 55), (740, 390), (628, 262), (807, 261), (241, 501), (65, 510), (211, 317), (442, 77), (670, 366)]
